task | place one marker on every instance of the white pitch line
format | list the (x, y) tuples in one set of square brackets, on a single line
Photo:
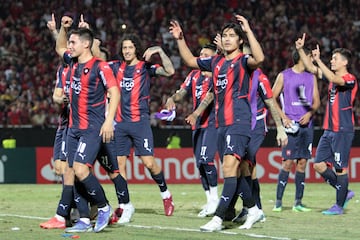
[(164, 228), (22, 216)]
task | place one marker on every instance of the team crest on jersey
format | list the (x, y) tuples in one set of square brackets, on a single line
[(288, 152), (86, 71)]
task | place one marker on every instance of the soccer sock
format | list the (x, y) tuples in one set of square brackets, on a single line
[(236, 195), (207, 193), (59, 218), (282, 181), (229, 189), (121, 188), (95, 190), (80, 201), (256, 192), (214, 193), (299, 187), (64, 206), (203, 178), (211, 174), (249, 181), (244, 191), (330, 177), (342, 189), (160, 180)]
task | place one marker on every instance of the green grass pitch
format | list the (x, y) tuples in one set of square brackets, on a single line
[(23, 207)]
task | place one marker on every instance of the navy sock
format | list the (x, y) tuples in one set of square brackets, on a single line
[(203, 178), (229, 189), (249, 181), (236, 195), (160, 180), (244, 192), (64, 206), (211, 174), (299, 187), (282, 182), (342, 189), (330, 177), (121, 188), (95, 190), (256, 192), (80, 200)]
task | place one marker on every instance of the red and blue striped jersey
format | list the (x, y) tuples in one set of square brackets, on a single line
[(231, 79), (198, 85), (63, 82), (260, 90), (339, 110), (134, 82), (88, 86)]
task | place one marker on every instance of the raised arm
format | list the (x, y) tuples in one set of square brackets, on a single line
[(184, 50), (299, 44), (51, 24), (257, 57), (329, 75), (167, 68), (61, 41)]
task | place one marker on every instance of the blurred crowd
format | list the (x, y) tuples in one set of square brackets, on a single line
[(29, 62)]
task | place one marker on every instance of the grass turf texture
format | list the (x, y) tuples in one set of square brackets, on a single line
[(23, 207)]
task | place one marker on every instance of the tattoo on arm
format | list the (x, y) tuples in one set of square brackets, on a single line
[(274, 113)]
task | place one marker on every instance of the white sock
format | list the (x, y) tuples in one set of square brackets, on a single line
[(207, 194), (59, 218), (165, 194), (85, 220), (253, 209), (121, 205), (105, 209), (214, 193)]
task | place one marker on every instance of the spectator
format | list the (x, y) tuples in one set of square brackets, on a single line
[(24, 56)]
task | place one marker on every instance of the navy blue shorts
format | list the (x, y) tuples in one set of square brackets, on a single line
[(204, 145), (134, 134), (83, 145), (256, 139), (232, 141), (107, 157), (299, 144), (60, 150), (334, 148)]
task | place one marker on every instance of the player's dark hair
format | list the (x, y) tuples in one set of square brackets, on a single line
[(137, 43), (210, 46), (84, 34), (346, 53), (237, 29), (296, 56)]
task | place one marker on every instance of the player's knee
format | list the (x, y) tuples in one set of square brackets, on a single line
[(153, 167), (287, 165), (320, 167), (58, 171), (81, 171)]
